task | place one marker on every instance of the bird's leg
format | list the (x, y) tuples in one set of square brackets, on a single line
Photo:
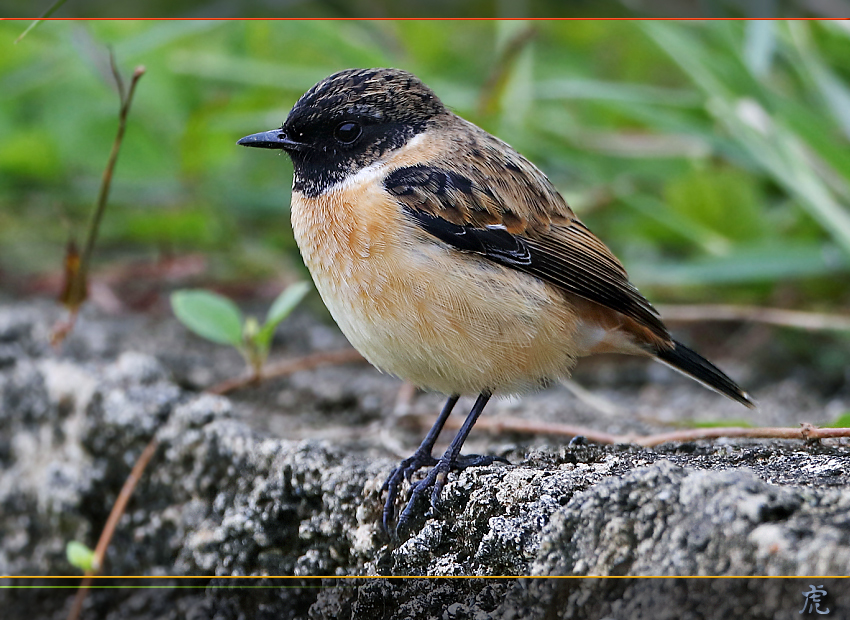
[(450, 460), (421, 458)]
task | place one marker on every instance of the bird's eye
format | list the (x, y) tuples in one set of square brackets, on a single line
[(347, 132)]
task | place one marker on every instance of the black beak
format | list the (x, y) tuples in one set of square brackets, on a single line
[(274, 139)]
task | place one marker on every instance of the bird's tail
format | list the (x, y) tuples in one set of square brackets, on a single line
[(681, 358)]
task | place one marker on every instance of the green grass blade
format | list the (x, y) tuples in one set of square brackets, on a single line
[(759, 45), (767, 263), (598, 90), (247, 71), (50, 11), (770, 144), (681, 224)]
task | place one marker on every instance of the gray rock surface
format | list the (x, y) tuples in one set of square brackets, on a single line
[(227, 495)]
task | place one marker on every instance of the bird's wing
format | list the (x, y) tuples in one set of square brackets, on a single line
[(508, 212)]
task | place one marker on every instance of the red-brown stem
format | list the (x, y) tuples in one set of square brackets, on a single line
[(806, 432), (106, 181), (115, 515)]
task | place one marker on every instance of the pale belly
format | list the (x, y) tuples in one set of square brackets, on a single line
[(445, 321)]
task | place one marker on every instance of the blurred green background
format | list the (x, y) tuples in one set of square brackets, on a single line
[(433, 8), (712, 157)]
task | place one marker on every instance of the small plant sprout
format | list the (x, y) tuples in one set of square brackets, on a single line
[(80, 556), (216, 318)]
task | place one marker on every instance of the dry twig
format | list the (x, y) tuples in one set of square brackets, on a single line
[(287, 367), (115, 515), (806, 432), (75, 289)]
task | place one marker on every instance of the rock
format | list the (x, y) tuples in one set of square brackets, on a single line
[(222, 498), (670, 520)]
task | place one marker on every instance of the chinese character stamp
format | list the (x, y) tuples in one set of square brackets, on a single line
[(813, 600)]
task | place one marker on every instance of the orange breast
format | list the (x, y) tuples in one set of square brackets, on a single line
[(447, 321)]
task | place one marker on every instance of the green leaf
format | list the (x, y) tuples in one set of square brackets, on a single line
[(209, 315), (79, 555), (281, 308), (286, 302)]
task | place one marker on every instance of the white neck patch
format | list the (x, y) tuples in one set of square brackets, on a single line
[(370, 173)]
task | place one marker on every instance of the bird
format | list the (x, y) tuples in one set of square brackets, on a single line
[(451, 261)]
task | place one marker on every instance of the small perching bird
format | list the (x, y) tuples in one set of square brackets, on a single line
[(450, 260)]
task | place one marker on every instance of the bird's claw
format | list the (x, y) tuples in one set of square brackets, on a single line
[(436, 477), (391, 485)]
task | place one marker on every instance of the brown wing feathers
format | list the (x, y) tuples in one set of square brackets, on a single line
[(463, 212)]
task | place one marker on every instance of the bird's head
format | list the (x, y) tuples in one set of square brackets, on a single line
[(348, 121)]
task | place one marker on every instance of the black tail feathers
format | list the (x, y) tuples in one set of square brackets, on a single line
[(694, 365)]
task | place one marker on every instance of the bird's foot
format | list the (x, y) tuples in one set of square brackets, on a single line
[(437, 478), (403, 472)]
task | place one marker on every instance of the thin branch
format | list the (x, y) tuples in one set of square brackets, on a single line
[(116, 75), (806, 432), (115, 515), (287, 367), (106, 182), (813, 321), (511, 424), (75, 289)]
